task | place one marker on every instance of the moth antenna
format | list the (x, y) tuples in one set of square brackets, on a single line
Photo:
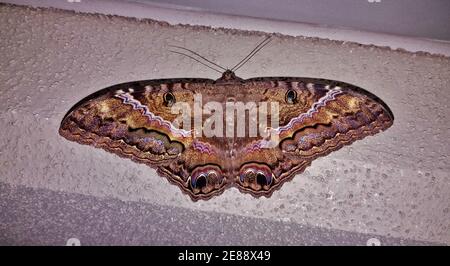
[(202, 57), (251, 56), (195, 59), (252, 53)]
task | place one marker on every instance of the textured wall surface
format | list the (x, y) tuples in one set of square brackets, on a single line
[(403, 17), (392, 185)]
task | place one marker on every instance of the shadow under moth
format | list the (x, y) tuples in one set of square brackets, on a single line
[(208, 135)]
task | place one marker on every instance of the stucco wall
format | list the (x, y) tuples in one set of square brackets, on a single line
[(395, 184)]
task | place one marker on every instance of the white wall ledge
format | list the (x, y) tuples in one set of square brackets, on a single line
[(196, 17)]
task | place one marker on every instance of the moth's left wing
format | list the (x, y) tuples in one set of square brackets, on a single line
[(123, 119), (135, 120)]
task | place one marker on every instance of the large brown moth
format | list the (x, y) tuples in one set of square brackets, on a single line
[(208, 135)]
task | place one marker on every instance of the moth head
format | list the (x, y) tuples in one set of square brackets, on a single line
[(206, 180), (255, 178), (228, 77)]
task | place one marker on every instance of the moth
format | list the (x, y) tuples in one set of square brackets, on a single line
[(296, 120)]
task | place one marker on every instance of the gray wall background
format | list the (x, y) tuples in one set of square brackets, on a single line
[(418, 18), (405, 24)]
